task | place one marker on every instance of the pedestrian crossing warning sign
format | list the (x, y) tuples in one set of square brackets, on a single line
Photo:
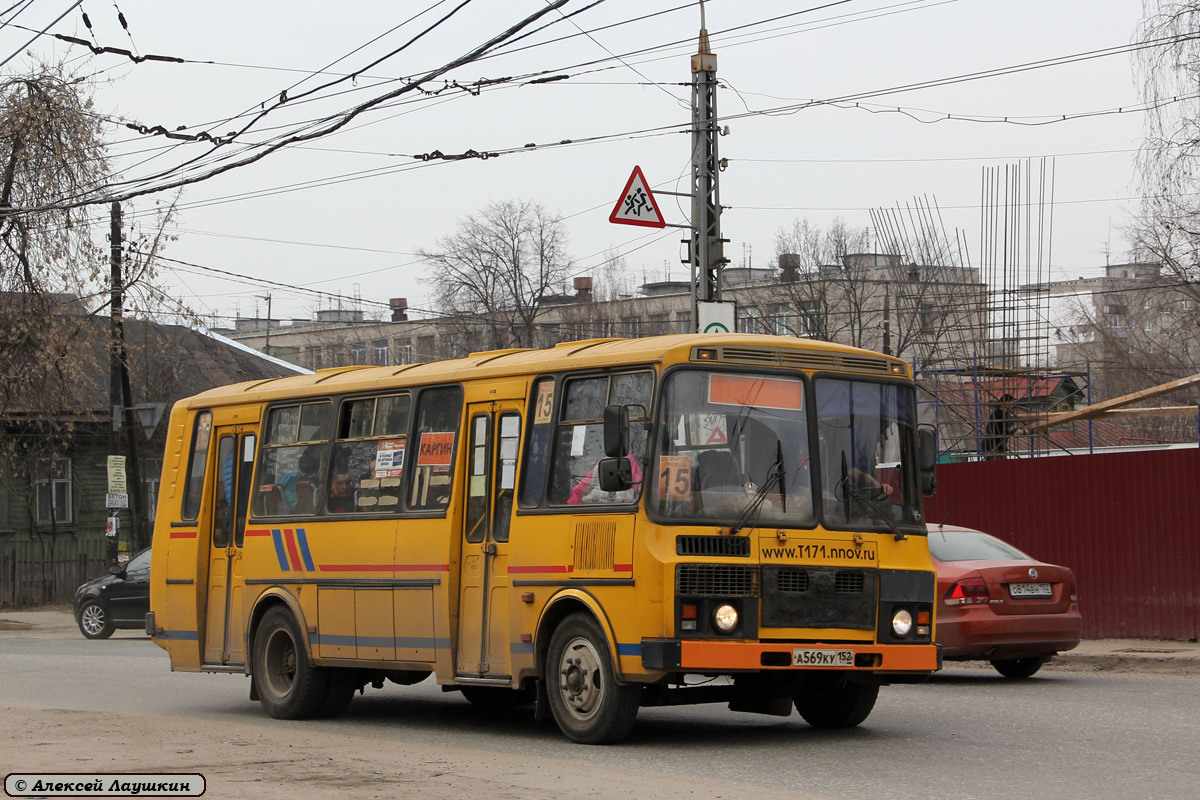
[(637, 205)]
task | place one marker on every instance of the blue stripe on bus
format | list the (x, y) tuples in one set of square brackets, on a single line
[(277, 537), (181, 636), (634, 649), (521, 648), (308, 562)]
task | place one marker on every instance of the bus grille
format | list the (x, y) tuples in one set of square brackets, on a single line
[(715, 580), (848, 582), (803, 359), (734, 546), (792, 581), (795, 581), (818, 597)]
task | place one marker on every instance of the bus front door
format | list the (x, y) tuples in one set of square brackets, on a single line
[(229, 485), (483, 628)]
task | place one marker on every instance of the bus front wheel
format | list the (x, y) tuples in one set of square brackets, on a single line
[(289, 687), (836, 703), (588, 704)]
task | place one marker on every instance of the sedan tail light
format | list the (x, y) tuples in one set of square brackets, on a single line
[(967, 591)]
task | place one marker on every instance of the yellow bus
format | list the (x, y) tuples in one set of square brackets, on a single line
[(594, 527)]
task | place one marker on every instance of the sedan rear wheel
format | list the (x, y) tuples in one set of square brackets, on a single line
[(1019, 667), (94, 622)]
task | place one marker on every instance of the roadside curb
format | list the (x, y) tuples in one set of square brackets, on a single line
[(1177, 662)]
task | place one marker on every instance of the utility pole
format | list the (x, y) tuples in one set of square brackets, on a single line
[(707, 255), (116, 337), (267, 344), (120, 395)]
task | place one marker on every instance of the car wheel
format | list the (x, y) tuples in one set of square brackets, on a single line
[(836, 703), (94, 622), (1019, 667), (588, 704), (497, 697), (289, 687)]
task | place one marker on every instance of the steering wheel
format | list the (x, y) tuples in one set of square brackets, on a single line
[(850, 489)]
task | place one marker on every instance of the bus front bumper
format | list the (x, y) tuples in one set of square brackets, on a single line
[(708, 656)]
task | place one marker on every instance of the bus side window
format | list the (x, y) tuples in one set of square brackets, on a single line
[(368, 458), (536, 462), (579, 443), (292, 460), (438, 413), (196, 464)]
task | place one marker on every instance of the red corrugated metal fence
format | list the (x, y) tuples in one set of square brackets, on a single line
[(1128, 524)]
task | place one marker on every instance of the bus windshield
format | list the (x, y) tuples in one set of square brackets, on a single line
[(867, 436), (724, 436), (736, 448)]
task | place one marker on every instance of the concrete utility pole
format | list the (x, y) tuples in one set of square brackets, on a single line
[(707, 253)]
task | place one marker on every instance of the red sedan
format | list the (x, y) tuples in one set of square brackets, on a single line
[(998, 604)]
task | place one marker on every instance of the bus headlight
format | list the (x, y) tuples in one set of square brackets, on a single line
[(725, 618), (902, 623)]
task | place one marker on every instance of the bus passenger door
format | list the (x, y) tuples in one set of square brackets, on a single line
[(229, 485), (483, 628)]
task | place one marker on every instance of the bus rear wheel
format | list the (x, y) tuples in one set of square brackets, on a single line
[(289, 687), (588, 704), (836, 703)]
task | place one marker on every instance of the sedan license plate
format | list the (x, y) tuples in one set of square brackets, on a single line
[(822, 658), (1029, 589)]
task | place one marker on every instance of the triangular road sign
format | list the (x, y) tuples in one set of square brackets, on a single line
[(637, 205)]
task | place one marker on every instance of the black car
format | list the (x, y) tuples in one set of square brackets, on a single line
[(118, 600)]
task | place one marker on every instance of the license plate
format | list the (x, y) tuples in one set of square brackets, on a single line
[(1029, 589), (822, 658)]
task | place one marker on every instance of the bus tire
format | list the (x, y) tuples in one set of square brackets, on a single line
[(289, 687), (836, 703), (588, 704), (339, 691), (498, 697)]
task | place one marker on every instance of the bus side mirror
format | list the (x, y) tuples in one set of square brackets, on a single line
[(616, 431), (616, 474), (928, 453)]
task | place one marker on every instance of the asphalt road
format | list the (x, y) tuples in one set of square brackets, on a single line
[(965, 733)]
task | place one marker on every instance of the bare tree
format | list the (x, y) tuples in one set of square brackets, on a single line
[(52, 150), (493, 274), (909, 298), (54, 354), (1167, 230), (828, 297)]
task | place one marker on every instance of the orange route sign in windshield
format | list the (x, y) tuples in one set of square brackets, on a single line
[(743, 390)]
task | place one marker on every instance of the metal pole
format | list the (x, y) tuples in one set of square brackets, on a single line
[(267, 344), (706, 256)]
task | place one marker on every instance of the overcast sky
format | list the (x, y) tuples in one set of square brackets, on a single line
[(345, 214)]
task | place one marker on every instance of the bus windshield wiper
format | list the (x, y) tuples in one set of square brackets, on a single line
[(774, 478)]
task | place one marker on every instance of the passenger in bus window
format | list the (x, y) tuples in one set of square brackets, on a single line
[(341, 494), (296, 487)]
